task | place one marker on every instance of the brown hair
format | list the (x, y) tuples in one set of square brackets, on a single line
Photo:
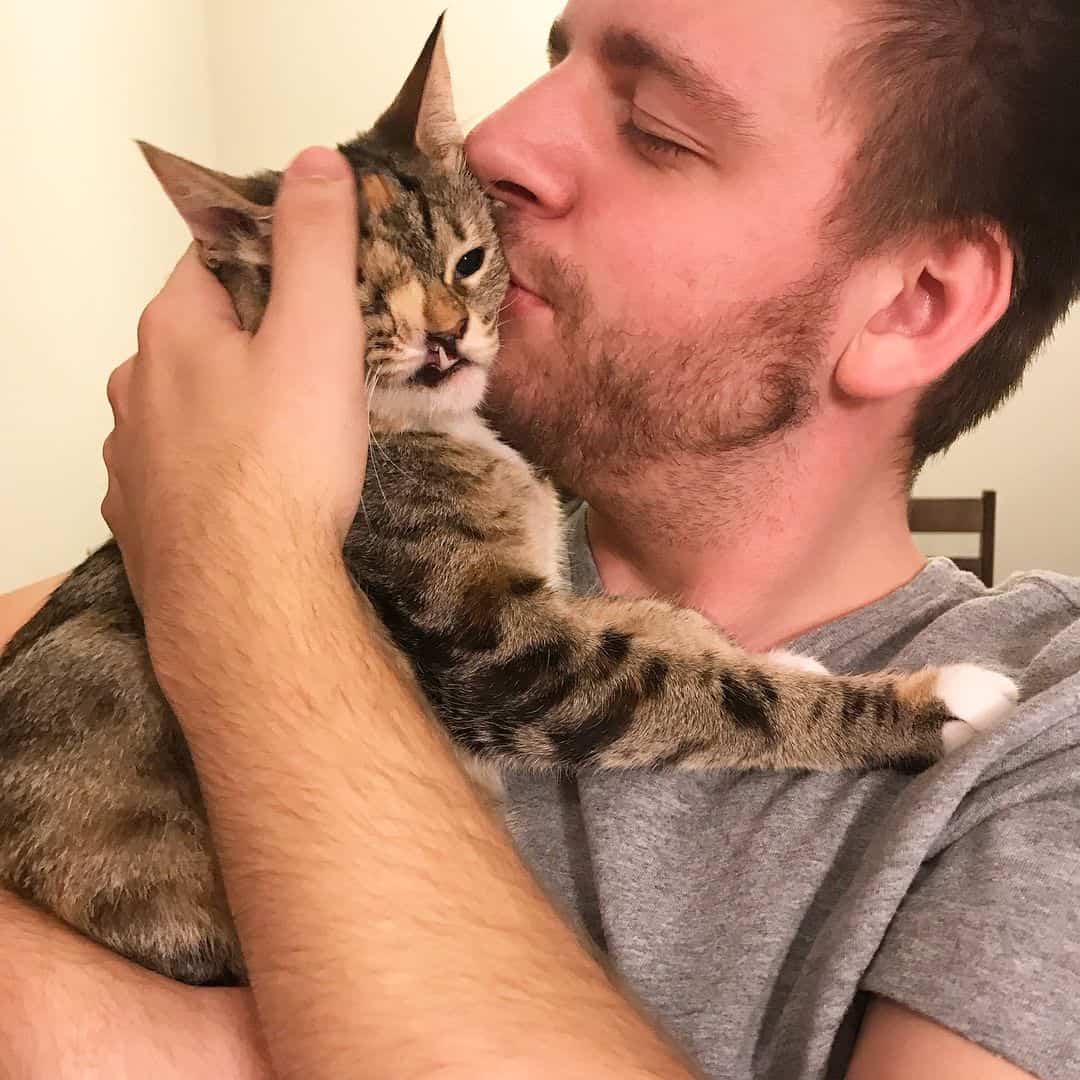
[(971, 116)]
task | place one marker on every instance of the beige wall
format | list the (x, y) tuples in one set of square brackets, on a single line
[(243, 84), (85, 243), (1030, 453), (88, 235), (283, 80)]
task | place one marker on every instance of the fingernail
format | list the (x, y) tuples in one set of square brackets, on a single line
[(319, 163)]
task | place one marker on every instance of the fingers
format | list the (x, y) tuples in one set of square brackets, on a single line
[(315, 241), (192, 304), (107, 450), (116, 389), (112, 505)]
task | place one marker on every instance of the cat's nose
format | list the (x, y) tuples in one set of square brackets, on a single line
[(447, 318), (448, 339)]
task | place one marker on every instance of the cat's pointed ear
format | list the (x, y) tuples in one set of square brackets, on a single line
[(217, 207), (423, 115)]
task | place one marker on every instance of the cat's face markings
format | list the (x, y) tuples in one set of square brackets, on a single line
[(431, 282), (431, 277)]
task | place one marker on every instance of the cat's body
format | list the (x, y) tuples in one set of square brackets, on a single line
[(459, 548)]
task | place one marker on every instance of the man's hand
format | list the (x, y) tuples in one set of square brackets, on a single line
[(387, 924), (226, 442)]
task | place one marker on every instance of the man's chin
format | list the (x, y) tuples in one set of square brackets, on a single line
[(502, 411)]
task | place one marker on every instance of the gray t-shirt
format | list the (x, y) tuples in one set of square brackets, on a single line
[(753, 913)]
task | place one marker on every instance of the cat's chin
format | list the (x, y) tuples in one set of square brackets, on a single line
[(414, 406)]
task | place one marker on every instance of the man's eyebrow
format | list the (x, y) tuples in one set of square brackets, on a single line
[(627, 49)]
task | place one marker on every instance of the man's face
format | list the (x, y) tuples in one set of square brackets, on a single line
[(665, 188)]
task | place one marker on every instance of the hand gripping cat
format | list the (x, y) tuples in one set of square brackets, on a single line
[(459, 548)]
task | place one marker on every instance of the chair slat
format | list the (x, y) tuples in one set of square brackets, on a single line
[(945, 515), (961, 516)]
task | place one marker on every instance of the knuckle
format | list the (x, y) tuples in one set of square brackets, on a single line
[(112, 389), (151, 322), (116, 387)]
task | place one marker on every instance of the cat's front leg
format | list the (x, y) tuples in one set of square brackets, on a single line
[(980, 699), (567, 682)]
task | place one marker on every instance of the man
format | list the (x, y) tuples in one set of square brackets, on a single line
[(769, 257)]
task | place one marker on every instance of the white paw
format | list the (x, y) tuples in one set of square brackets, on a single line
[(797, 662), (980, 699)]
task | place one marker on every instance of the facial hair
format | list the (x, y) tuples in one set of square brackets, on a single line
[(596, 402)]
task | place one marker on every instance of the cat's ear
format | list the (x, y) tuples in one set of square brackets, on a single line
[(217, 207), (423, 115)]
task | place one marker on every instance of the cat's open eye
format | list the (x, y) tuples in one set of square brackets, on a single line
[(470, 263)]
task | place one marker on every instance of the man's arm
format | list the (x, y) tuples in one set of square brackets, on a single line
[(70, 1008), (62, 995), (897, 1044), (385, 916), (18, 606), (388, 925)]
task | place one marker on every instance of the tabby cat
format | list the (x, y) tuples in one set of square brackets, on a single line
[(459, 548)]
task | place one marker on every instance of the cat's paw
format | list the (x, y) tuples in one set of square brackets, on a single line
[(797, 662), (980, 699)]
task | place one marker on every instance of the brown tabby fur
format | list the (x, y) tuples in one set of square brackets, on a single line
[(459, 548)]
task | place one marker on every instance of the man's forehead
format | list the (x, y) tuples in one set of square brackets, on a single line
[(749, 45), (623, 48)]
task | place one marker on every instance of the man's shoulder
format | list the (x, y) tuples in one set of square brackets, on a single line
[(1027, 627), (1041, 588)]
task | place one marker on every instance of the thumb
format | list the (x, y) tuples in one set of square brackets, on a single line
[(314, 249)]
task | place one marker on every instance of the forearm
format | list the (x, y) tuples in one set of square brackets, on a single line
[(896, 1043), (387, 923), (71, 1008)]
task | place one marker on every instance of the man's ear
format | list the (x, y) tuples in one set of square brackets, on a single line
[(927, 305), (228, 225)]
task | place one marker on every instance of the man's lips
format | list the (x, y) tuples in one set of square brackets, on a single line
[(522, 294), (517, 283)]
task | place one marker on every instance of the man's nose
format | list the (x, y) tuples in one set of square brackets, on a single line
[(520, 154)]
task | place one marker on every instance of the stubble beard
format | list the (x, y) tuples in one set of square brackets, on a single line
[(597, 404)]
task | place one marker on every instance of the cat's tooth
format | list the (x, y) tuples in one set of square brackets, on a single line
[(444, 360)]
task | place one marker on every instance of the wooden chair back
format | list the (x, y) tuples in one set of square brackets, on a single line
[(975, 515)]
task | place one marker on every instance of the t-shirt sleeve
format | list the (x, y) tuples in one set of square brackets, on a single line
[(987, 941)]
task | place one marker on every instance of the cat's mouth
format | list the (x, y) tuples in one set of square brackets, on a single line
[(443, 363)]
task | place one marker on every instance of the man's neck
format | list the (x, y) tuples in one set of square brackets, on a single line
[(767, 551)]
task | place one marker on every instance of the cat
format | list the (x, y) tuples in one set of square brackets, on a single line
[(459, 548)]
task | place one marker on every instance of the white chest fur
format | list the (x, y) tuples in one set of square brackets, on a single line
[(546, 550)]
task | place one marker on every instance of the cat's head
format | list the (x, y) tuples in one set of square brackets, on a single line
[(431, 277)]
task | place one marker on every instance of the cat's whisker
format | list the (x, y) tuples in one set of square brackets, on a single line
[(389, 460), (375, 472), (373, 442), (369, 383), (376, 446)]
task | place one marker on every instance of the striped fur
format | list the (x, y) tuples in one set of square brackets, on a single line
[(458, 546), (525, 675)]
